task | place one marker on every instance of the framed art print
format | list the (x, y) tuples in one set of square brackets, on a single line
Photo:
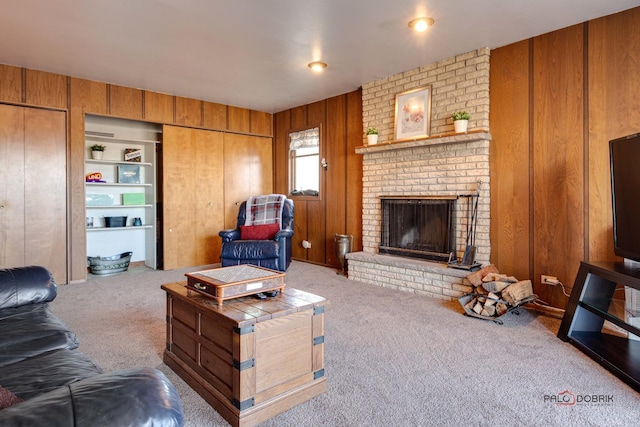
[(413, 114)]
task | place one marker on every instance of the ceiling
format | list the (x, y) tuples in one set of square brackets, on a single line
[(254, 53)]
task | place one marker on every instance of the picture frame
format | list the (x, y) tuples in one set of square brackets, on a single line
[(412, 118)]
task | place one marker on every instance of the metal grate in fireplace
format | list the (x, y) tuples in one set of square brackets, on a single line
[(419, 227)]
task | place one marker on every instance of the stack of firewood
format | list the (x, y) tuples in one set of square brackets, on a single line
[(495, 293)]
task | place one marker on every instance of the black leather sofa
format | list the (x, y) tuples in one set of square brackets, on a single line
[(45, 380)]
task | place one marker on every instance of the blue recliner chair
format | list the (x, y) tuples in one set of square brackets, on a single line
[(272, 252)]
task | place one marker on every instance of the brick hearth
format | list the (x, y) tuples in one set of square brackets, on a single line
[(426, 278)]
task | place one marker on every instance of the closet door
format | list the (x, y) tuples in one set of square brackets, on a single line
[(248, 171), (12, 177), (33, 213), (193, 209)]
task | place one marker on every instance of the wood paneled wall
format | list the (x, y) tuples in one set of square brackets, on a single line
[(509, 159), (556, 101), (339, 209), (79, 97)]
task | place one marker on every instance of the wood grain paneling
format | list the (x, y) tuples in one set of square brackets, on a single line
[(298, 120), (91, 97), (215, 115), (281, 152), (179, 185), (125, 102), (88, 96), (614, 111), (261, 123), (33, 210), (10, 83), (300, 228), (239, 119), (46, 199), (336, 181), (208, 168), (248, 171), (317, 208), (316, 114), (298, 117), (558, 158), (509, 159), (188, 111), (581, 96), (354, 168), (159, 107), (46, 89), (12, 177), (339, 209), (192, 196)]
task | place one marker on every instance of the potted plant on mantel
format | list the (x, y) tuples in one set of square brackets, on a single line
[(96, 151), (460, 121), (372, 135)]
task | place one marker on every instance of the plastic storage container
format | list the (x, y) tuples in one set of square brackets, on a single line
[(115, 221)]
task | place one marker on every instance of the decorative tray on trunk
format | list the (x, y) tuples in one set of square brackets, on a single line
[(235, 281)]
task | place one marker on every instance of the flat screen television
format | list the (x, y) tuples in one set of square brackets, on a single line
[(625, 191)]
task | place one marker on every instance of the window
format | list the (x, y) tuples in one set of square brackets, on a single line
[(304, 162)]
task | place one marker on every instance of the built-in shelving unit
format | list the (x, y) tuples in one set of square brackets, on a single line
[(597, 320), (135, 198)]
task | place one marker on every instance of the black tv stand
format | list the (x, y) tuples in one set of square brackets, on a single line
[(594, 300)]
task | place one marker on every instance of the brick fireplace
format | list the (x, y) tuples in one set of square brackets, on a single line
[(443, 165)]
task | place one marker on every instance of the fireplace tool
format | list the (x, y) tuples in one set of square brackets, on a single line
[(468, 261)]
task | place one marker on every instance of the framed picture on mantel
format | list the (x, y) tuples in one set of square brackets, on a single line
[(413, 114)]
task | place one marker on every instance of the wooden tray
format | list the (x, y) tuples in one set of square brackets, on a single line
[(237, 281)]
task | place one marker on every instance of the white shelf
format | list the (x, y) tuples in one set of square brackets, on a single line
[(128, 228), (118, 206), (115, 162), (115, 184), (117, 140)]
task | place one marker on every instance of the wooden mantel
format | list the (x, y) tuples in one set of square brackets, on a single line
[(449, 138)]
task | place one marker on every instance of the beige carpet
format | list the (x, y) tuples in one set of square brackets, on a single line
[(391, 358)]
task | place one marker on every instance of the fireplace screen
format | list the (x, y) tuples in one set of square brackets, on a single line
[(419, 228)]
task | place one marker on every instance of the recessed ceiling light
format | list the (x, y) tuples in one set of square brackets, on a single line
[(421, 24), (317, 66)]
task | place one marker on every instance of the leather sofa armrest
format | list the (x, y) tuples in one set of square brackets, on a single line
[(229, 235), (283, 234), (26, 285), (132, 397)]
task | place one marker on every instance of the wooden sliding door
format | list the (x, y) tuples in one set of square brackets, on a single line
[(248, 171), (193, 199), (33, 201)]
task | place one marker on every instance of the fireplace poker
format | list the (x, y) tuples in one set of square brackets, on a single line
[(470, 250)]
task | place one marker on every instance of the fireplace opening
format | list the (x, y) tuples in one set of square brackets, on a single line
[(418, 227)]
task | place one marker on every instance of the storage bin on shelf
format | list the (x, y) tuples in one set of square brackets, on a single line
[(115, 221)]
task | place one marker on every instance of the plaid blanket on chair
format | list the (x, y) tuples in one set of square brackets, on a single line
[(265, 209)]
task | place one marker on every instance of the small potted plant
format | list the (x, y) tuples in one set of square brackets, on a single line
[(372, 135), (97, 150), (460, 121)]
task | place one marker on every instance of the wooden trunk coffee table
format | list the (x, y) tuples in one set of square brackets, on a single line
[(250, 359)]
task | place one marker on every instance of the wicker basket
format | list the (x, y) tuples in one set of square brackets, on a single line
[(110, 264)]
